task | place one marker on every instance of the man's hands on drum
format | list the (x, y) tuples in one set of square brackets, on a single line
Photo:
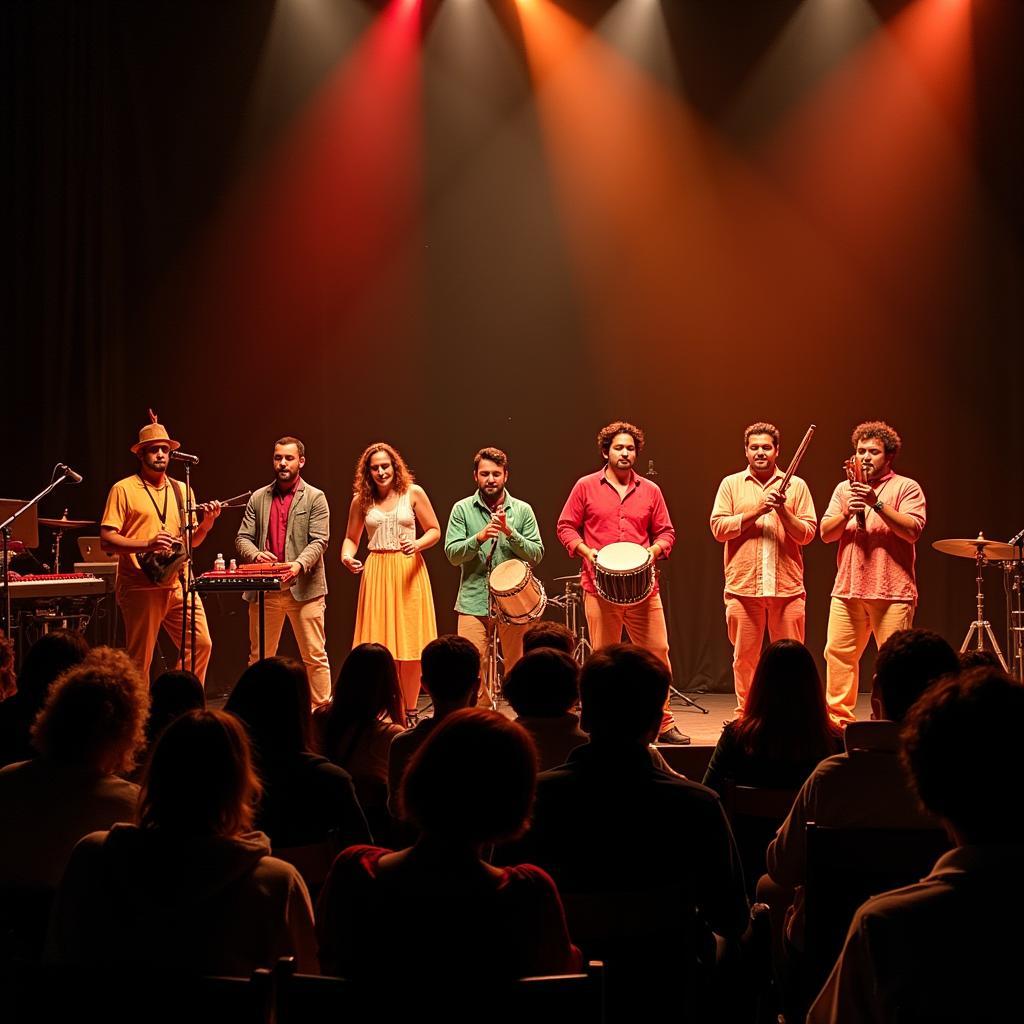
[(589, 553)]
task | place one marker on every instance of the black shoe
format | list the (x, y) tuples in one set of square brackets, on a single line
[(674, 737)]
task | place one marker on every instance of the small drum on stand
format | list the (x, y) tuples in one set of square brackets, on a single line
[(624, 573), (518, 595)]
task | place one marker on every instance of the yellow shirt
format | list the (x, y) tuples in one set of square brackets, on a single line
[(130, 511)]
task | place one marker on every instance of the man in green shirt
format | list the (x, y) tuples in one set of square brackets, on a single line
[(484, 530)]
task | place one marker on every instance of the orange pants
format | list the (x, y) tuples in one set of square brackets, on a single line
[(851, 622), (475, 628), (146, 609), (645, 627), (746, 619)]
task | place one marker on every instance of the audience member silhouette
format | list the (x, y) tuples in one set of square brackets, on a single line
[(548, 634), (949, 947), (864, 787), (172, 694), (436, 913), (980, 659), (48, 657), (785, 729), (365, 714), (451, 676), (190, 886), (306, 799), (644, 858), (543, 688), (87, 734)]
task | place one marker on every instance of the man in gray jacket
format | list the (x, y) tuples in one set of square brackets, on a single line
[(289, 521)]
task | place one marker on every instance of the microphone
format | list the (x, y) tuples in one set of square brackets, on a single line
[(75, 478), (192, 460), (1015, 541)]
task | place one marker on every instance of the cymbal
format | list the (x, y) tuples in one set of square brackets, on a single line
[(67, 524), (993, 550), (565, 579)]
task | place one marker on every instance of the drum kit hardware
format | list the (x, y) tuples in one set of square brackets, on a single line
[(59, 526), (571, 603), (1009, 556)]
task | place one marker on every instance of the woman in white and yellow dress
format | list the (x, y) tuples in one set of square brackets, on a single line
[(396, 606)]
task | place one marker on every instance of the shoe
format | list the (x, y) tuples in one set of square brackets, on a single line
[(673, 737)]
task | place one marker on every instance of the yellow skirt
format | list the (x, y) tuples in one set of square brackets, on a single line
[(396, 606)]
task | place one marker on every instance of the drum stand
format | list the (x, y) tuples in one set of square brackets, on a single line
[(493, 662), (570, 603), (980, 627)]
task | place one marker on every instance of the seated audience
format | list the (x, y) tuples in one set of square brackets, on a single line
[(87, 736), (306, 799), (48, 657), (543, 688), (172, 694), (643, 857), (865, 787), (948, 948), (450, 667), (365, 714), (436, 913), (785, 730), (548, 634), (190, 886), (980, 659)]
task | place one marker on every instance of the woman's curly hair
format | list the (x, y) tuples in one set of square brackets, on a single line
[(363, 486)]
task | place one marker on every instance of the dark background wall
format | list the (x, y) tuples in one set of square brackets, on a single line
[(465, 223)]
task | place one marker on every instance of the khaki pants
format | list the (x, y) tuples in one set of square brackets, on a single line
[(146, 609), (644, 624), (746, 619), (851, 622), (307, 619), (475, 629)]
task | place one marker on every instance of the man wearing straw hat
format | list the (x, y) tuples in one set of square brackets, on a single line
[(143, 522)]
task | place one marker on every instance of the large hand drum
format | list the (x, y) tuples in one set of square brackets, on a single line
[(624, 573), (518, 594)]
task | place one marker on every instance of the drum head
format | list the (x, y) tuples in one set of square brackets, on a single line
[(509, 576), (623, 557)]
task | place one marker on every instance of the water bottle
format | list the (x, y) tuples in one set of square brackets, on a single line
[(233, 565), (219, 564)]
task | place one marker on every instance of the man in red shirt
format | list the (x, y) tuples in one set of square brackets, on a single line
[(611, 506)]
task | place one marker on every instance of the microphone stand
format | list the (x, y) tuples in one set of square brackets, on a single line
[(5, 530), (188, 593)]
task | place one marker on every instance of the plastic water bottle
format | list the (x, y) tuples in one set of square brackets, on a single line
[(219, 564), (233, 565)]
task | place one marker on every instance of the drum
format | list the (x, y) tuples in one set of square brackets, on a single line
[(518, 594), (624, 573)]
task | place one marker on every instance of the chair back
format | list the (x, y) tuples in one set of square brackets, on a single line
[(555, 999), (755, 814), (846, 866)]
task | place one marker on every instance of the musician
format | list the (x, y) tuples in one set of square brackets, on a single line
[(875, 592), (614, 504), (289, 521), (763, 532), (144, 515), (484, 530)]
